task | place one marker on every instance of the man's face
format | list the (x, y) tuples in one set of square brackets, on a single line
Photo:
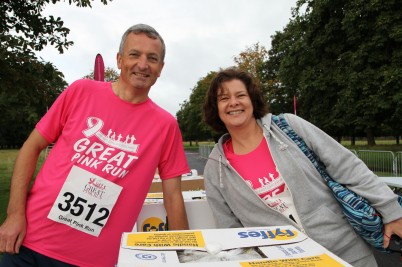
[(141, 62)]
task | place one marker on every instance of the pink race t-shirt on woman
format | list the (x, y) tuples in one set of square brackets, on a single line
[(259, 171)]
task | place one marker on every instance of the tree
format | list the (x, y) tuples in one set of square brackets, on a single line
[(111, 75), (252, 60), (24, 29), (190, 115), (26, 98), (343, 61), (279, 95), (28, 85), (373, 29)]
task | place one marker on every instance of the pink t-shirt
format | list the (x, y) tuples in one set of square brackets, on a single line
[(259, 171), (92, 186)]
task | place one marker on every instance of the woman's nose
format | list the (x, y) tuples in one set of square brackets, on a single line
[(233, 101)]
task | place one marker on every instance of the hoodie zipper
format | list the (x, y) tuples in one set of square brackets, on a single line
[(283, 147)]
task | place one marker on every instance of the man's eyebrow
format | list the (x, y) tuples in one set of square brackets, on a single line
[(148, 54), (132, 50), (153, 54)]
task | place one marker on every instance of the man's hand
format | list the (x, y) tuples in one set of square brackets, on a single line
[(12, 233)]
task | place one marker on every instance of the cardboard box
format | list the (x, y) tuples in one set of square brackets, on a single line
[(188, 183), (280, 246), (153, 215)]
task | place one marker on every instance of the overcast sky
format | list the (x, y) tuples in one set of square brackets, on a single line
[(200, 36)]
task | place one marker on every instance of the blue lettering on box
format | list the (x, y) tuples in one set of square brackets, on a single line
[(267, 234)]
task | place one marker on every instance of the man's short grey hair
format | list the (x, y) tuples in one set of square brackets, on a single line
[(146, 29)]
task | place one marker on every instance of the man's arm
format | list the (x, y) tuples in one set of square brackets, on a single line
[(174, 204), (12, 231)]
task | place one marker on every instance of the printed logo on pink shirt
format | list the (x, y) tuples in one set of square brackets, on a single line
[(113, 154), (270, 186), (112, 139)]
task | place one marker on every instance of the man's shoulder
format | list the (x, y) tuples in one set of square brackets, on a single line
[(87, 86), (89, 83), (163, 113)]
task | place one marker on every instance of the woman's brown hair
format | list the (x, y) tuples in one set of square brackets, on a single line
[(211, 114)]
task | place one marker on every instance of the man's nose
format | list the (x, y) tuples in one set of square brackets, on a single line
[(143, 63)]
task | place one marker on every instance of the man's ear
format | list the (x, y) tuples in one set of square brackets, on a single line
[(118, 60), (160, 71)]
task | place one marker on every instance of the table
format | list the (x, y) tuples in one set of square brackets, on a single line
[(395, 182)]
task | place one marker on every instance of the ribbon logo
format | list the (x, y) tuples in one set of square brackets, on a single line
[(95, 126)]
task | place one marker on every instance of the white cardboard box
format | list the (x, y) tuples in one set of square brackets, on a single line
[(280, 246), (153, 215)]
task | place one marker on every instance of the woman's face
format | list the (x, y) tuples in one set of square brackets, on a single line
[(234, 105)]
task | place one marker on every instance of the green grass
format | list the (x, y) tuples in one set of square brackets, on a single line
[(383, 144), (7, 159)]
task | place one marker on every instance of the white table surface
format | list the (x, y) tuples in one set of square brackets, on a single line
[(392, 181)]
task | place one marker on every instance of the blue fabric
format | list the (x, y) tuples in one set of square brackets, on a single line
[(365, 220)]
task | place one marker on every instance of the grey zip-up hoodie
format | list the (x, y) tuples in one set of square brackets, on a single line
[(235, 204)]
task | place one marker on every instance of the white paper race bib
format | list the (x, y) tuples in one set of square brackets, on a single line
[(85, 201)]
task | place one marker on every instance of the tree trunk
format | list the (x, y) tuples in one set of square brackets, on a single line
[(353, 141), (370, 138), (397, 139)]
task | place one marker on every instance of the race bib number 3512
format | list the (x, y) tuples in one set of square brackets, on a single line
[(85, 201)]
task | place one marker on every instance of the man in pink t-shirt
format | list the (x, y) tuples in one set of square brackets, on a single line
[(109, 140)]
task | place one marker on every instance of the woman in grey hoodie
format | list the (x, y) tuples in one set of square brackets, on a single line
[(257, 176)]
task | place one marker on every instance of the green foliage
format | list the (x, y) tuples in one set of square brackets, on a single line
[(280, 99), (111, 75), (190, 115), (27, 89), (342, 59), (28, 85)]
